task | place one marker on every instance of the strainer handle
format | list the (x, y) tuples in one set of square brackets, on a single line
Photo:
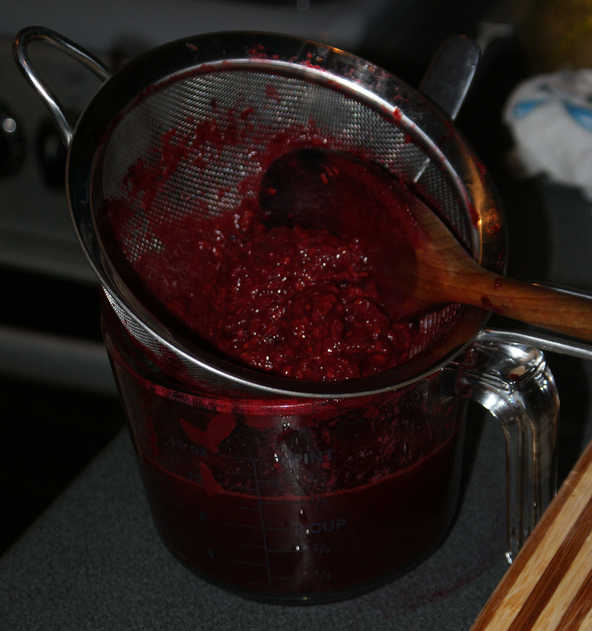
[(39, 33)]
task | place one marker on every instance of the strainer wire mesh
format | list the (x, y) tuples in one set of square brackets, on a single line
[(253, 107)]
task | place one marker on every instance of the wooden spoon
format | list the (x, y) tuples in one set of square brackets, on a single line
[(445, 272), (418, 261)]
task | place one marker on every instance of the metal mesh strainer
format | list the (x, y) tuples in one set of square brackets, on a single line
[(267, 93)]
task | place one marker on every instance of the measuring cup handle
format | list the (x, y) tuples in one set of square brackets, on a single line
[(515, 385), (21, 47)]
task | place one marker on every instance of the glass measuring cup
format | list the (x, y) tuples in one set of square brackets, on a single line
[(296, 500)]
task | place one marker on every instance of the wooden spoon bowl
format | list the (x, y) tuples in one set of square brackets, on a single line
[(419, 263)]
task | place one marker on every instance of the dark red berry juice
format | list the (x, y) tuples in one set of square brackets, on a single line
[(292, 500)]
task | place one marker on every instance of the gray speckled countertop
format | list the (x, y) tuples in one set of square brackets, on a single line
[(93, 560)]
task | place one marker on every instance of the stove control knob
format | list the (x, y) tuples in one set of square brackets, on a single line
[(51, 154), (12, 142)]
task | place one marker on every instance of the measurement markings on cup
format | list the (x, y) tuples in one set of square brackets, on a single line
[(288, 535)]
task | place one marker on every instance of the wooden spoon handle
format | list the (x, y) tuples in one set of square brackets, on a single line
[(445, 272), (549, 585), (534, 304)]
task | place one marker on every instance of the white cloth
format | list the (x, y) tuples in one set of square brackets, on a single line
[(550, 117)]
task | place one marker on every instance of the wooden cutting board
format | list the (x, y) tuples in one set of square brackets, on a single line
[(549, 585)]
